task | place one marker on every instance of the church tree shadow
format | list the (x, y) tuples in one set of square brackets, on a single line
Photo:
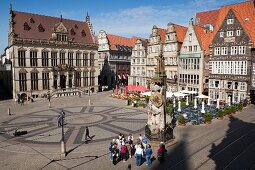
[(237, 148)]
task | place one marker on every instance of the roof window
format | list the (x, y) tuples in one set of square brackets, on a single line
[(40, 28), (72, 32), (32, 20), (83, 33), (26, 26)]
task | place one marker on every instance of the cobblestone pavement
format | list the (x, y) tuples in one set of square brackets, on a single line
[(195, 147)]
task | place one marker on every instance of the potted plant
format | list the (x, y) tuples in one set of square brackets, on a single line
[(239, 107), (169, 109), (208, 118), (233, 109), (220, 114), (181, 120), (228, 111)]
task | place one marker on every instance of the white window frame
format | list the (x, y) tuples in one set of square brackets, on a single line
[(221, 34), (217, 51), (234, 50), (224, 50), (238, 32), (241, 49), (230, 33), (230, 21)]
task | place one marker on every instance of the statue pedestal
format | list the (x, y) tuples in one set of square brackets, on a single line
[(161, 136)]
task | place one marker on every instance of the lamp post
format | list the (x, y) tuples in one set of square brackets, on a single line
[(63, 146)]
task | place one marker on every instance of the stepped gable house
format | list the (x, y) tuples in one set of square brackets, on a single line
[(51, 55), (114, 59), (232, 53), (138, 63), (174, 38)]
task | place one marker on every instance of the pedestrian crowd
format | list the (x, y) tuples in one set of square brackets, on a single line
[(124, 148)]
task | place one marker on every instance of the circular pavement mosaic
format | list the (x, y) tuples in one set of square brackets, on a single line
[(104, 122)]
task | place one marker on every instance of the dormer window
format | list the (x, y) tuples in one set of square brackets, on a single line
[(75, 26), (230, 21), (83, 33), (26, 26), (72, 32), (40, 28), (32, 20), (61, 37)]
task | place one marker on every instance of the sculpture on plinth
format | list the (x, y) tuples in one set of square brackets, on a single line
[(159, 126)]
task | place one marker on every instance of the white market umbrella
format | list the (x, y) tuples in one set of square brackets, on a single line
[(169, 94), (148, 93), (188, 92), (187, 100), (201, 96), (178, 94)]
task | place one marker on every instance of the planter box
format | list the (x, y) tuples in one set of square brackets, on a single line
[(208, 122), (182, 124), (220, 118)]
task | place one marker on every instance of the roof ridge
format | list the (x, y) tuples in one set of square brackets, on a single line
[(49, 16)]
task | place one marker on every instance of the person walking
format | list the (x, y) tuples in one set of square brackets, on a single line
[(87, 134), (148, 153), (138, 155)]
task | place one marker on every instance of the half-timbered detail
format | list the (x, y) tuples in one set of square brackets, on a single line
[(230, 57), (48, 55)]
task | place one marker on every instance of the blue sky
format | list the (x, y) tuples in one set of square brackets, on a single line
[(120, 17)]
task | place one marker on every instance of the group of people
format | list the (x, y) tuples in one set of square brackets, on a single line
[(123, 148)]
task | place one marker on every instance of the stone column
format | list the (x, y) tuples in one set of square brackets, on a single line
[(58, 80), (73, 79), (51, 80), (67, 80)]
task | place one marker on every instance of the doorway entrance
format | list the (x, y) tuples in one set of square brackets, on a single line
[(62, 81)]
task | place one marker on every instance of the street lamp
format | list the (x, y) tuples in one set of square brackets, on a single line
[(63, 146)]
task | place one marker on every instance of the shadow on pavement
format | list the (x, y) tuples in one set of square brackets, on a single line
[(236, 150), (176, 157)]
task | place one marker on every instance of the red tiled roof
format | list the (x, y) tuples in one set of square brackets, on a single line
[(242, 11), (162, 34), (207, 17), (48, 23), (204, 37), (181, 32), (123, 41)]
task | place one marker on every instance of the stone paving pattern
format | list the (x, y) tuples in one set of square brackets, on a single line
[(211, 146)]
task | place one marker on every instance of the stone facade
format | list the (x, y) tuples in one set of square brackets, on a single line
[(191, 61), (171, 51), (51, 55), (230, 61), (138, 64)]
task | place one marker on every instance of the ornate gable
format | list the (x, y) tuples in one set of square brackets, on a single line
[(60, 28), (230, 32)]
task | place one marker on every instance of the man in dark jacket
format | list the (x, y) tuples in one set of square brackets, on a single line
[(87, 134)]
